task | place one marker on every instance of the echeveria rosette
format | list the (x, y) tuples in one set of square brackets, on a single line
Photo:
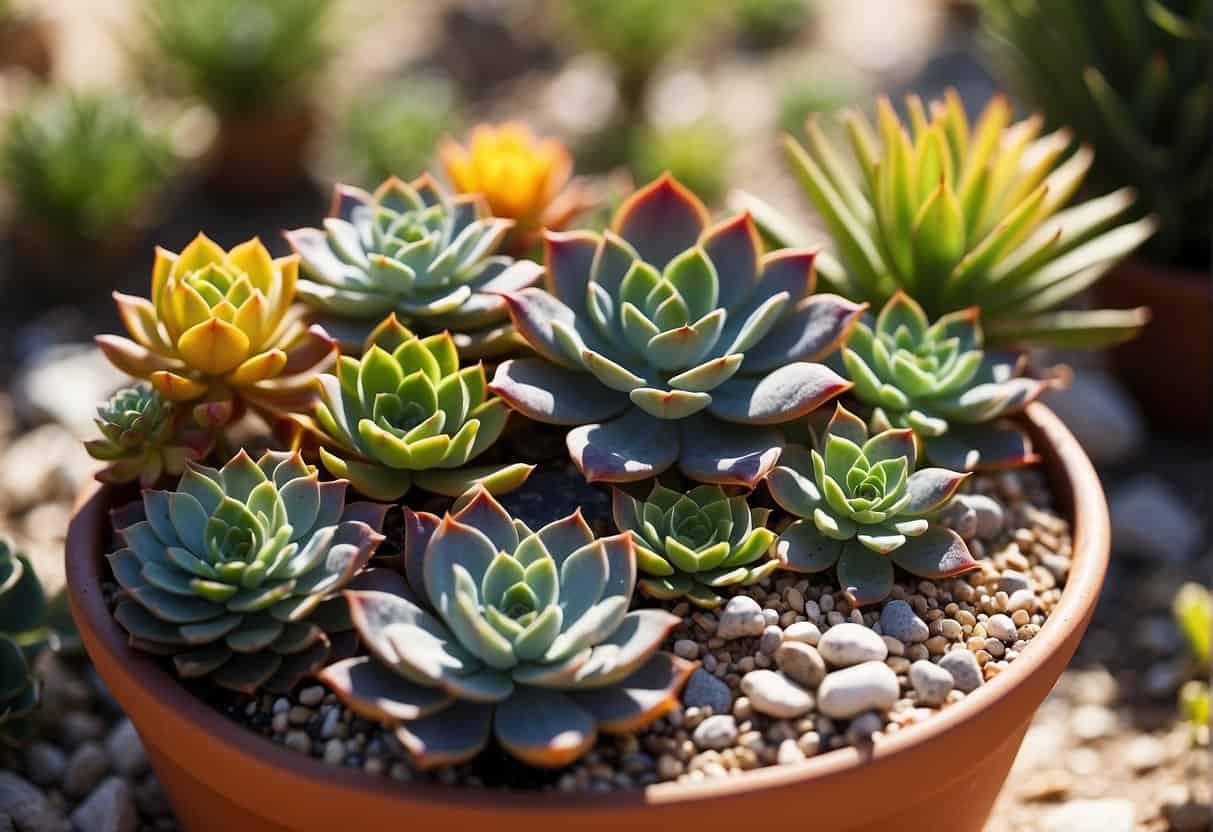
[(504, 631), (406, 414), (144, 437), (236, 574), (415, 250), (863, 508), (23, 612), (665, 340), (691, 545), (221, 329), (936, 379)]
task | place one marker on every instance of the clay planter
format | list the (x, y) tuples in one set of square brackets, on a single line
[(25, 43), (260, 155), (1169, 368), (946, 770)]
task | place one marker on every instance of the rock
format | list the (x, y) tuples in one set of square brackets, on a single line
[(804, 631), (1145, 753), (899, 620), (789, 752), (1101, 415), (846, 693), (312, 696), (1150, 520), (960, 517), (81, 726), (801, 663), (771, 638), (717, 732), (686, 649), (126, 750), (848, 643), (85, 768), (1108, 815), (110, 808), (44, 764), (932, 683), (774, 694), (1001, 627), (862, 727), (704, 690), (1093, 722), (988, 513), (1011, 582), (28, 807), (63, 385), (150, 797), (44, 465), (742, 618), (966, 673)]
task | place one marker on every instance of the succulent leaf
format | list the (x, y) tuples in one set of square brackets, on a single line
[(144, 437)]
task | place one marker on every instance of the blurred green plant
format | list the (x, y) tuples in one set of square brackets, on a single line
[(764, 24), (241, 56), (84, 164), (1193, 608), (24, 632), (696, 154)]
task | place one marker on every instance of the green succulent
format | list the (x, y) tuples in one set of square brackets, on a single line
[(668, 341), (1193, 608), (144, 438), (1132, 79), (525, 635), (689, 545), (863, 507), (23, 632), (405, 413), (414, 250), (935, 379), (235, 574), (959, 215)]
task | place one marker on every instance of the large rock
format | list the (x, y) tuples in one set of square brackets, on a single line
[(1149, 519), (1101, 415)]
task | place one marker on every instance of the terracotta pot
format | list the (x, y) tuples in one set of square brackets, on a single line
[(947, 770), (26, 44), (262, 154), (1169, 368)]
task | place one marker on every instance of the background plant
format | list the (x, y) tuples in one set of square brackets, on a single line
[(696, 154), (1193, 609)]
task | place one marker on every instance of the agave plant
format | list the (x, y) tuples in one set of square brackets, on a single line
[(412, 249), (405, 414), (1133, 81), (23, 631), (143, 438), (667, 341), (521, 177), (689, 545), (236, 573), (863, 508), (525, 635), (220, 329), (961, 215), (935, 379)]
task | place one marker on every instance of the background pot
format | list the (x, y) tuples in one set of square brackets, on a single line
[(220, 776), (26, 43), (264, 154), (1169, 368)]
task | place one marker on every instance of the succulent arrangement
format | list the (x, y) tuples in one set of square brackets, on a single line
[(23, 611)]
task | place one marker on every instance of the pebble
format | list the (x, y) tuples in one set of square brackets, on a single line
[(966, 672), (79, 726), (899, 620), (959, 516), (801, 662), (1022, 599), (789, 752), (1145, 753), (804, 631), (150, 797), (1108, 815), (311, 696), (1150, 520), (44, 763), (334, 752), (110, 808), (703, 690), (686, 649), (742, 618), (990, 516), (126, 751), (1001, 627), (1092, 722), (850, 644), (846, 693), (716, 732), (862, 727), (776, 695), (1012, 581), (931, 683), (771, 638), (85, 768), (28, 807)]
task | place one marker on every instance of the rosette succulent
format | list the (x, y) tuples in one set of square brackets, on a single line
[(668, 341), (962, 215), (405, 413), (221, 327), (143, 438), (504, 631), (412, 249), (23, 611), (863, 508), (935, 379), (236, 573), (689, 545)]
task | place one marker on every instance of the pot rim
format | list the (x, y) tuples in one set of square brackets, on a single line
[(1077, 492)]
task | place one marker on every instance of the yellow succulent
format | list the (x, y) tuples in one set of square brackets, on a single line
[(221, 326), (520, 176)]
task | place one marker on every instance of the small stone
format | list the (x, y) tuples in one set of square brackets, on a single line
[(771, 638), (298, 741), (990, 519), (776, 695), (809, 743), (960, 518), (801, 663), (789, 752), (849, 644), (81, 726), (687, 649), (311, 696), (85, 768), (716, 732), (704, 690), (742, 618), (28, 807), (1022, 599), (864, 726), (1145, 753), (281, 705), (1050, 784), (1001, 627), (1150, 520), (932, 683), (150, 797), (110, 808), (899, 620), (1107, 815), (804, 631), (126, 751), (846, 693), (966, 673), (1093, 722), (334, 752), (44, 763), (1012, 581)]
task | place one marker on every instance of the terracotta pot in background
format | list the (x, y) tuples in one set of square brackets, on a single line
[(1169, 368), (221, 776), (26, 43), (261, 154)]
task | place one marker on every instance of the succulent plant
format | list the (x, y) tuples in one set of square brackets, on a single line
[(935, 379), (1132, 79), (412, 249), (863, 508), (962, 215), (143, 437), (689, 545), (23, 610), (405, 414), (236, 573), (499, 629), (521, 177), (221, 329), (667, 341), (1193, 608)]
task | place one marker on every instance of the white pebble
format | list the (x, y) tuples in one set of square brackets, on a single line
[(850, 644)]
